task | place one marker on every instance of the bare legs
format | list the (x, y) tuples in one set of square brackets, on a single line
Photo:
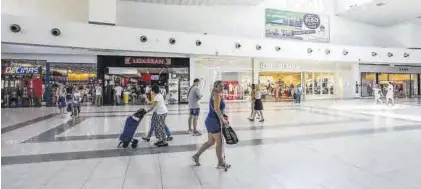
[(193, 119), (260, 112), (212, 138)]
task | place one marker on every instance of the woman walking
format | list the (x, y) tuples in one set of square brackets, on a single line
[(213, 123), (158, 117), (258, 105)]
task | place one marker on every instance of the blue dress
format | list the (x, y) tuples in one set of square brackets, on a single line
[(213, 125)]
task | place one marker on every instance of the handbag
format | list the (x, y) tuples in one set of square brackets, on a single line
[(229, 134)]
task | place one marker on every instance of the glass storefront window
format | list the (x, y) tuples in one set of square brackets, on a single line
[(368, 80), (317, 83), (308, 79), (414, 85), (401, 83)]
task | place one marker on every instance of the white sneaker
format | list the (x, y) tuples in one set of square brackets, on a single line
[(190, 132), (223, 166)]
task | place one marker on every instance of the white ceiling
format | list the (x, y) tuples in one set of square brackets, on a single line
[(203, 2), (391, 13)]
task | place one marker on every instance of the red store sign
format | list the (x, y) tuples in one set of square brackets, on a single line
[(162, 61)]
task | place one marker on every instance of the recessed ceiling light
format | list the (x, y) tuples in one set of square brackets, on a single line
[(380, 4)]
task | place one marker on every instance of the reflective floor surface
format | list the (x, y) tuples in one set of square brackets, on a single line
[(323, 144)]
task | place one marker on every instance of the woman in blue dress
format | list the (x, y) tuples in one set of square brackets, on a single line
[(213, 123)]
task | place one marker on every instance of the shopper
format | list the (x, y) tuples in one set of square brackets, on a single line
[(298, 93), (377, 94), (118, 90), (151, 129), (293, 95), (61, 99), (258, 105), (390, 93), (213, 123), (158, 117), (252, 100), (98, 95), (193, 97), (76, 98)]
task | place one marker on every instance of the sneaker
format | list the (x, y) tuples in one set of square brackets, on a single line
[(251, 119), (170, 138), (197, 133), (262, 120), (196, 160), (146, 139), (161, 144), (223, 166), (189, 131)]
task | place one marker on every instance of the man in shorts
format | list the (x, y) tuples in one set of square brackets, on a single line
[(194, 96)]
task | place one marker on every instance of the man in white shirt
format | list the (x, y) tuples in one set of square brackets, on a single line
[(118, 90), (98, 95), (390, 93)]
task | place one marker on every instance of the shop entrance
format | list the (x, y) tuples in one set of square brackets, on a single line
[(278, 85)]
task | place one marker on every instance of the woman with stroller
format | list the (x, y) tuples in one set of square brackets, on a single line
[(213, 123)]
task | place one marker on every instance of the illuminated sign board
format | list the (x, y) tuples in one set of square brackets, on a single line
[(22, 70)]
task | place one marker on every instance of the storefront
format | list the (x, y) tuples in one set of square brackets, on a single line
[(406, 79), (136, 75), (236, 74), (22, 83), (318, 80)]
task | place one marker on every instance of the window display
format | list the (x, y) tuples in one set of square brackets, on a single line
[(319, 84)]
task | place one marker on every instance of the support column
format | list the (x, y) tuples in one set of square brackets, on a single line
[(192, 69), (356, 77), (103, 12), (256, 70), (47, 92)]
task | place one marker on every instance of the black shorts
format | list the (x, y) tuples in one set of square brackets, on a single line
[(258, 105), (194, 111)]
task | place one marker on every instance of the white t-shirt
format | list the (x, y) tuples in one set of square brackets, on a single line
[(390, 91), (160, 106), (377, 92), (118, 90), (98, 90)]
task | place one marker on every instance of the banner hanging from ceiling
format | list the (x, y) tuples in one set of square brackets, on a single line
[(298, 26)]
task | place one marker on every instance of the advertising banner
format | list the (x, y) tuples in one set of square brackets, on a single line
[(21, 70), (159, 61), (298, 26)]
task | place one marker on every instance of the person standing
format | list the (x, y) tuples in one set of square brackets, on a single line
[(194, 96), (118, 90), (377, 94), (98, 95), (298, 93), (213, 123), (258, 105), (158, 117), (61, 99), (390, 93)]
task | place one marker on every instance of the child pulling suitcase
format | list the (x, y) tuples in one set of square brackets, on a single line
[(132, 122)]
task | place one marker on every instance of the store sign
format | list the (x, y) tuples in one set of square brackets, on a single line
[(295, 25), (278, 66), (403, 69), (22, 70), (160, 61)]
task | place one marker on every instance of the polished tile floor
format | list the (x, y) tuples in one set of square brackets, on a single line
[(324, 144)]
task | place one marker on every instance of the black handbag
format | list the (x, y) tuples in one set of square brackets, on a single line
[(229, 134)]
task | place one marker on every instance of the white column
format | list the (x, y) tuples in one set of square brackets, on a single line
[(356, 77), (256, 70), (103, 12), (192, 67), (338, 83)]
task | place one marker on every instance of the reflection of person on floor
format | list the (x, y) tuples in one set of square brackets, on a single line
[(377, 94), (389, 95)]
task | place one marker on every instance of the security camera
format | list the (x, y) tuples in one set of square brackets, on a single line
[(15, 28), (373, 54), (258, 47), (277, 48), (198, 43), (309, 50), (345, 52), (172, 41), (327, 51), (55, 32), (389, 54), (237, 45), (143, 39), (405, 55)]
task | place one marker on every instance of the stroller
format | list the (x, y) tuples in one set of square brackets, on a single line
[(130, 126)]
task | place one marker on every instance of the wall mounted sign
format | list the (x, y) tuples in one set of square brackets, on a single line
[(278, 66), (370, 68), (22, 70), (295, 25), (159, 61)]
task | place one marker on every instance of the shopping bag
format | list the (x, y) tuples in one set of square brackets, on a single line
[(229, 133)]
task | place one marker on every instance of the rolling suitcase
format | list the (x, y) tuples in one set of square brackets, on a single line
[(130, 126)]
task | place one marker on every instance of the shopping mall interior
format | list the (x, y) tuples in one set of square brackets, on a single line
[(210, 94)]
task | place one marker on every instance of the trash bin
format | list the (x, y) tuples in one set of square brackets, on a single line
[(126, 97)]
